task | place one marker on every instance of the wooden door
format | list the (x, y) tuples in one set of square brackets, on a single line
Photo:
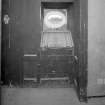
[(20, 36)]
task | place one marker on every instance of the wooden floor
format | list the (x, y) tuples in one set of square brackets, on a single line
[(48, 84), (44, 96)]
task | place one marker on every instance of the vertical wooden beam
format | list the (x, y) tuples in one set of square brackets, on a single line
[(83, 50), (0, 41)]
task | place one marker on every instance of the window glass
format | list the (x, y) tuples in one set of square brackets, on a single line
[(55, 19)]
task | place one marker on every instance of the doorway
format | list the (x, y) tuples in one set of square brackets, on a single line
[(21, 42)]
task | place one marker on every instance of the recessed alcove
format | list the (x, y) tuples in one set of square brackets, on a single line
[(23, 37)]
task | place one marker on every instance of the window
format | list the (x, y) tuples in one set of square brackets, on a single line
[(55, 19)]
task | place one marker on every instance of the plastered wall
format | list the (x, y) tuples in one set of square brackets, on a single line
[(96, 47)]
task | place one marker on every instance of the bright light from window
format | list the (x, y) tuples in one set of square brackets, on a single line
[(55, 19)]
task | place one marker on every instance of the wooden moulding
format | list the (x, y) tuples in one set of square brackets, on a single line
[(57, 0)]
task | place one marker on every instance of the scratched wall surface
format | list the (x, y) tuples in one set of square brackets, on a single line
[(96, 47)]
